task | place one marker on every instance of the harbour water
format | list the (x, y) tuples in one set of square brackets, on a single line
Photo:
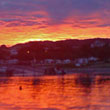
[(68, 92)]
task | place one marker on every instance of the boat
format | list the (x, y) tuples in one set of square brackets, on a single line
[(54, 71)]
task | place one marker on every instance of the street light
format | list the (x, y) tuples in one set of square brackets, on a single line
[(28, 51), (33, 62)]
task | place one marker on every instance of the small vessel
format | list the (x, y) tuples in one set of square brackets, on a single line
[(54, 71)]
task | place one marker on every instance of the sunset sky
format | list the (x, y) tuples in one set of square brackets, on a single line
[(29, 20)]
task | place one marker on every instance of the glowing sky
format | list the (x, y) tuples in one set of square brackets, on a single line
[(25, 20)]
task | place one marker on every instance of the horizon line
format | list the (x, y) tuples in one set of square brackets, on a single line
[(51, 41)]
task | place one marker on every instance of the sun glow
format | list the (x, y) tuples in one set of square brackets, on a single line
[(27, 40), (22, 34)]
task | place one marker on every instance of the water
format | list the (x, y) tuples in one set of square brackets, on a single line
[(69, 92)]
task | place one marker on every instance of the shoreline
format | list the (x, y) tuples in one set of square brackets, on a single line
[(39, 70), (89, 70)]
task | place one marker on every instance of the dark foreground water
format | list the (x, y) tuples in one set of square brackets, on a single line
[(69, 92)]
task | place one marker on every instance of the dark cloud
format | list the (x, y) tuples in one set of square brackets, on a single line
[(104, 25), (13, 24), (9, 19), (23, 23), (57, 10)]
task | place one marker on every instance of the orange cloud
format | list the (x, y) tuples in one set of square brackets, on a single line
[(38, 25)]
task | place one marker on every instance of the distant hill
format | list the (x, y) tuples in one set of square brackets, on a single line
[(65, 49), (69, 42)]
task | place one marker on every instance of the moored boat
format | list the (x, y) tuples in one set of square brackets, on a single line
[(54, 71)]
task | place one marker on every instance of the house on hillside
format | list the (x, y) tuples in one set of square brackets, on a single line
[(2, 62), (84, 61), (97, 43), (81, 61), (48, 61), (13, 51), (67, 61), (12, 61), (92, 59), (58, 61)]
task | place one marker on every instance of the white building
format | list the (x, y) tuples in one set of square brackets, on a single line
[(49, 61), (13, 51), (58, 61), (84, 61), (81, 61), (3, 69), (97, 43), (92, 59), (12, 61), (67, 61)]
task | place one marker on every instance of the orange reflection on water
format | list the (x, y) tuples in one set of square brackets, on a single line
[(72, 92)]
